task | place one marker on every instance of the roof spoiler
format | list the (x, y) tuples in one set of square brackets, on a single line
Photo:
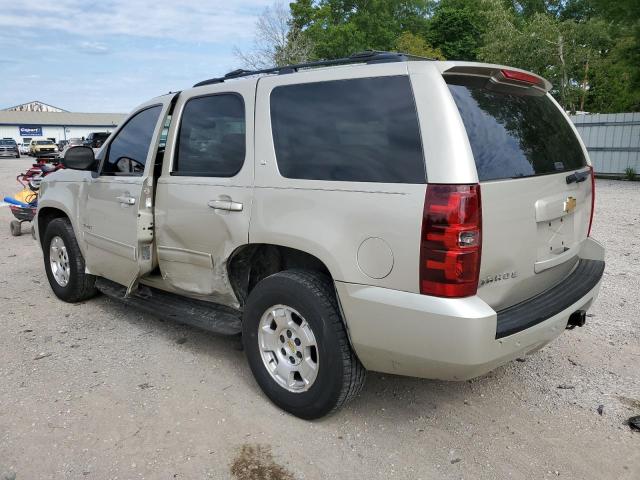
[(502, 75)]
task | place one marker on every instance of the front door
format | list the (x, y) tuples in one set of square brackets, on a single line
[(118, 217), (205, 192)]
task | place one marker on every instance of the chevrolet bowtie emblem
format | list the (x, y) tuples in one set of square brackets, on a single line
[(570, 204)]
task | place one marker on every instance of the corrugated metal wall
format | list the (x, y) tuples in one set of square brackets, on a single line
[(612, 139)]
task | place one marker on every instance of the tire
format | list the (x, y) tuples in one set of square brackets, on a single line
[(311, 296), (80, 285), (16, 228)]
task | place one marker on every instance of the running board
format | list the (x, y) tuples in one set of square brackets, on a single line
[(168, 306)]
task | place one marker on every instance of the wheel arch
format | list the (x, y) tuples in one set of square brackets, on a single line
[(45, 216), (250, 263)]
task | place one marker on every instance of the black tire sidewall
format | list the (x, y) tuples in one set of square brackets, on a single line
[(57, 228), (323, 395), (15, 228)]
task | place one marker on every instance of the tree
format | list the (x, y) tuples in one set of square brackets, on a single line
[(565, 52), (588, 49), (614, 83), (410, 43), (456, 28), (339, 28), (277, 41)]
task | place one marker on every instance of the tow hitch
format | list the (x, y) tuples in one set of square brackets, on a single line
[(577, 319)]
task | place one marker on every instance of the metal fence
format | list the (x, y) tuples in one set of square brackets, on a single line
[(612, 139)]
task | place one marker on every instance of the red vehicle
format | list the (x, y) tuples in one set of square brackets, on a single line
[(23, 205)]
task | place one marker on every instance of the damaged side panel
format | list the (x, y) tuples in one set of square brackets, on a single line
[(204, 195)]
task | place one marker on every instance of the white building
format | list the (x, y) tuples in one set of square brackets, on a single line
[(35, 106), (39, 120)]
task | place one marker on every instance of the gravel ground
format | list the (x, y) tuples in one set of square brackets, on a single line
[(100, 391)]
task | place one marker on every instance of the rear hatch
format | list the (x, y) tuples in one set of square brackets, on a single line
[(535, 183)]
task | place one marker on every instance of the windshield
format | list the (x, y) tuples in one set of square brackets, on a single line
[(44, 142), (100, 136), (75, 141), (514, 135), (8, 142)]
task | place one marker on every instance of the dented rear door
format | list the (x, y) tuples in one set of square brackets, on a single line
[(205, 192)]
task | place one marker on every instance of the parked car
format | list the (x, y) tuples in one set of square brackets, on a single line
[(96, 139), (42, 148), (9, 148), (72, 142), (23, 148), (418, 218)]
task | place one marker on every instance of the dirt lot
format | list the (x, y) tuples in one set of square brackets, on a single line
[(100, 391)]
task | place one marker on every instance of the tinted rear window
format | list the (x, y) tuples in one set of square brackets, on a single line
[(359, 130), (514, 135), (212, 136)]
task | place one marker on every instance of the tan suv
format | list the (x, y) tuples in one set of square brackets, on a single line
[(376, 212)]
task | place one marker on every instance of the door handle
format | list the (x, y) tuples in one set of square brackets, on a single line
[(578, 177), (126, 200), (228, 205)]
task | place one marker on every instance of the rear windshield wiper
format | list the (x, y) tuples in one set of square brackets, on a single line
[(578, 177)]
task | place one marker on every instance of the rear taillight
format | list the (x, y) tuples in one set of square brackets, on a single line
[(451, 241), (593, 199)]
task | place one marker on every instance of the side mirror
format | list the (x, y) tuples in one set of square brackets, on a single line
[(79, 158)]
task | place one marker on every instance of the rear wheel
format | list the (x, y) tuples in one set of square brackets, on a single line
[(64, 263), (297, 345), (16, 228)]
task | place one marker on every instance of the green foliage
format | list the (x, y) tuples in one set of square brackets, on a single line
[(588, 49), (456, 27), (614, 84), (586, 57), (630, 173), (339, 28), (408, 42)]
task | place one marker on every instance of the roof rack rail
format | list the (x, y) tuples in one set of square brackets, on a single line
[(368, 56)]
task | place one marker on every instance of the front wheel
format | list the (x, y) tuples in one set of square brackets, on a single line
[(297, 345), (64, 263)]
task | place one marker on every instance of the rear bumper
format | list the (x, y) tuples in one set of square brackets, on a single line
[(582, 280), (456, 339)]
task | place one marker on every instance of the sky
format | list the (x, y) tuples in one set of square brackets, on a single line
[(111, 55)]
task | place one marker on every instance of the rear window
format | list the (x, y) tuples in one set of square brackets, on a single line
[(212, 137), (514, 135), (358, 130)]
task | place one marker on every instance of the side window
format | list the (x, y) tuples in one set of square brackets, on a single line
[(359, 130), (128, 151), (211, 141)]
